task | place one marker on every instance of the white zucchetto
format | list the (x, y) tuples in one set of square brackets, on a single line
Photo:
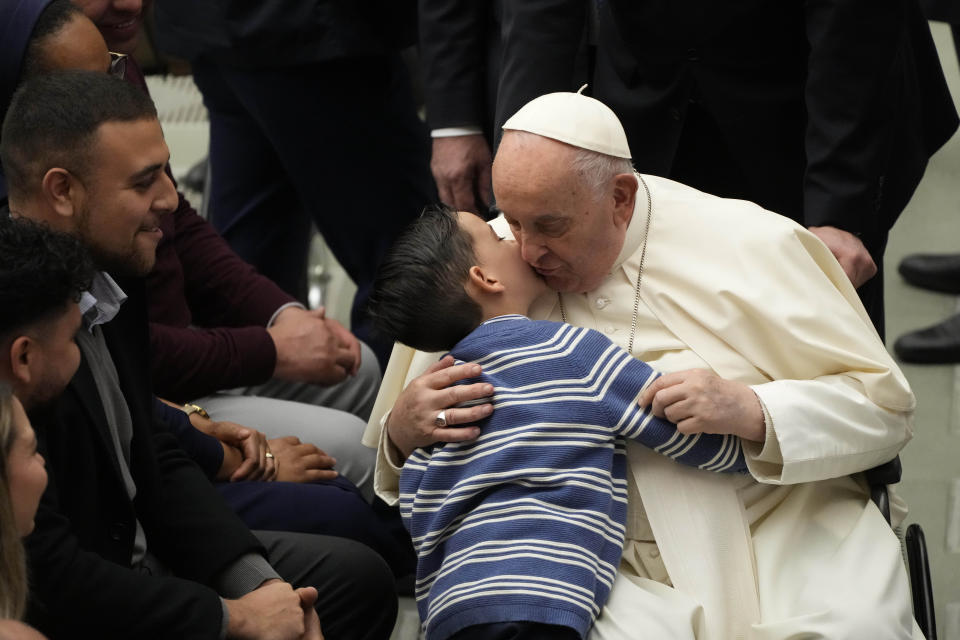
[(573, 118)]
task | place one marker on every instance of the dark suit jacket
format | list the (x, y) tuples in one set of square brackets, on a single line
[(460, 62), (942, 10), (79, 553), (281, 34), (830, 108)]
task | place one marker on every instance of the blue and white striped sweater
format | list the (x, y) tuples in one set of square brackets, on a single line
[(527, 521)]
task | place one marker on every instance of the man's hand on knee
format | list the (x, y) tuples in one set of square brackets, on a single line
[(256, 461), (273, 611), (301, 461), (312, 348), (348, 341), (311, 621)]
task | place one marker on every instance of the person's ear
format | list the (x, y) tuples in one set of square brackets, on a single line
[(23, 355), (62, 191), (483, 280), (624, 197)]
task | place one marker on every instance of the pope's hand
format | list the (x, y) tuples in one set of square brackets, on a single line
[(412, 423), (699, 401)]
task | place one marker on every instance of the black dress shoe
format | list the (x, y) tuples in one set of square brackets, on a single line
[(939, 344), (937, 272)]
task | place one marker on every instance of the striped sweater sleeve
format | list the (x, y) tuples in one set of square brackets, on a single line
[(627, 377)]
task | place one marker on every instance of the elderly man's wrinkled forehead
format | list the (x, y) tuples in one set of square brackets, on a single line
[(532, 172), (525, 140), (531, 156)]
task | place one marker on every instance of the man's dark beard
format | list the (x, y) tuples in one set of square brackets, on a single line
[(42, 400), (125, 265)]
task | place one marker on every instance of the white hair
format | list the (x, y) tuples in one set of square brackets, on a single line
[(598, 169), (595, 169)]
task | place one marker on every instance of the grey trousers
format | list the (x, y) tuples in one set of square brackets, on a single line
[(357, 595), (332, 418), (354, 395)]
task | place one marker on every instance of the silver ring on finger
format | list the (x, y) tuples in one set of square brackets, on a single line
[(441, 419), (268, 455)]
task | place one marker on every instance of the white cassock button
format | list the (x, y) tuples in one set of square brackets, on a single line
[(654, 552), (602, 302)]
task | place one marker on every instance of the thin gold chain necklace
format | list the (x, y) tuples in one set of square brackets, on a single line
[(643, 255)]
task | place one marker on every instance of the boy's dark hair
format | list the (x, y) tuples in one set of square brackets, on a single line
[(418, 296), (53, 119), (41, 271), (53, 18)]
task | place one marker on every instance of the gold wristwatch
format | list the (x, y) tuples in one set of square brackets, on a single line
[(189, 408)]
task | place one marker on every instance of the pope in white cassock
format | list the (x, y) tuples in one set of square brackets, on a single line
[(759, 333)]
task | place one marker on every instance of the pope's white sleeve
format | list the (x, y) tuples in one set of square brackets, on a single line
[(835, 401), (386, 476), (823, 428)]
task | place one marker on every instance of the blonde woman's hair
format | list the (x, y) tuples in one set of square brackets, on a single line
[(13, 567)]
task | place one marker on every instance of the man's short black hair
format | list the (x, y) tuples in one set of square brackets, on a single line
[(41, 271), (418, 297), (54, 17), (53, 120)]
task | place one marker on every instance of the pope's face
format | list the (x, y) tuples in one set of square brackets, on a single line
[(569, 234)]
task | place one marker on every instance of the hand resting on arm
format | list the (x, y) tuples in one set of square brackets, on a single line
[(699, 401)]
